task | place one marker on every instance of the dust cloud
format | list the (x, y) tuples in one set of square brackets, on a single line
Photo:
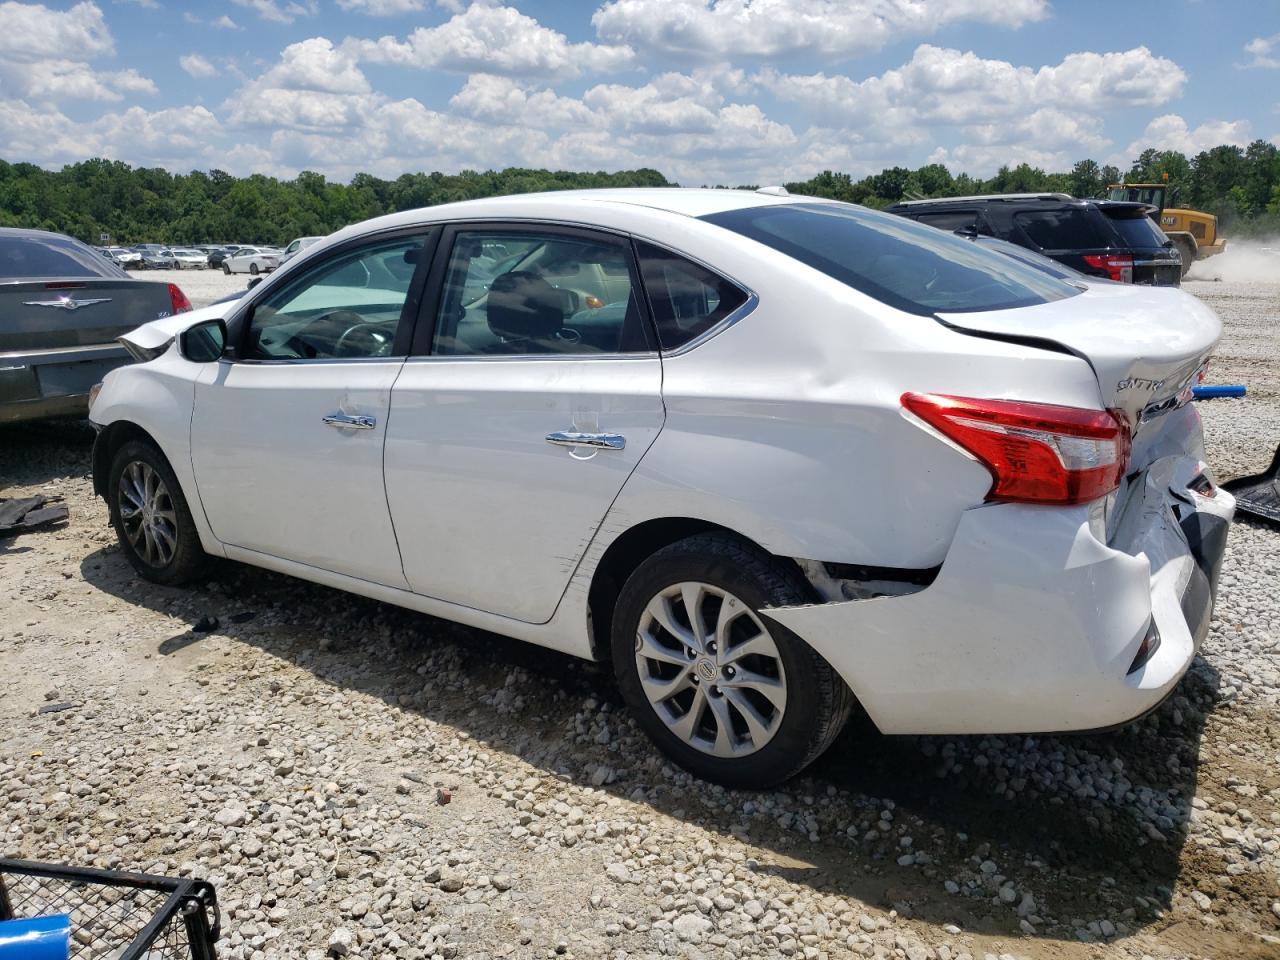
[(1244, 261)]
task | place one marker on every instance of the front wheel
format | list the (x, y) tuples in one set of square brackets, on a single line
[(226, 270), (151, 518), (730, 696)]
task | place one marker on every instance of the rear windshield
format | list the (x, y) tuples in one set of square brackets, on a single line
[(1138, 231), (38, 256), (909, 266), (1067, 228)]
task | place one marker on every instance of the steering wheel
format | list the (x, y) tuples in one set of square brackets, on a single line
[(362, 339)]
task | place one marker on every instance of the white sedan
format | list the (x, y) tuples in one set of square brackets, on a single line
[(254, 260), (185, 259), (771, 456)]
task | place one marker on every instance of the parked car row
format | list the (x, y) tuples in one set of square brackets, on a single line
[(772, 457), (253, 259)]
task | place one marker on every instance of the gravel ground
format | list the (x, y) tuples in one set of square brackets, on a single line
[(202, 287), (361, 781)]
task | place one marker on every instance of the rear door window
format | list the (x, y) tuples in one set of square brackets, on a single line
[(1069, 228), (687, 299), (904, 264), (952, 220)]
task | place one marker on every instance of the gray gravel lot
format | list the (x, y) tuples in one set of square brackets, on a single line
[(202, 287), (298, 755)]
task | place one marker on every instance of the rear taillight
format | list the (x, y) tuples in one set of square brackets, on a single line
[(1036, 452), (1118, 266), (178, 301)]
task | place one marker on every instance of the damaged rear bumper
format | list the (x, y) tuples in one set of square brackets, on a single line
[(1039, 621)]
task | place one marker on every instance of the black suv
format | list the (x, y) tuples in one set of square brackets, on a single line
[(1100, 238)]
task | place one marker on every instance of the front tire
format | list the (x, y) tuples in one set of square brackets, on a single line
[(151, 518), (729, 695), (226, 270)]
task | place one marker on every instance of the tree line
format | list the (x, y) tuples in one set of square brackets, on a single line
[(144, 204)]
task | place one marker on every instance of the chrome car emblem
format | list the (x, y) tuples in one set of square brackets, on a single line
[(65, 303)]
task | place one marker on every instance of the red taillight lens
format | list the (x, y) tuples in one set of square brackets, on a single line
[(178, 301), (1118, 266), (1036, 452)]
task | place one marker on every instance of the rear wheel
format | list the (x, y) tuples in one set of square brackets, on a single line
[(1187, 251), (253, 268), (151, 517), (727, 694)]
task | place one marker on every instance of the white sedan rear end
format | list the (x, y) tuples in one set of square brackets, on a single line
[(771, 456), (253, 260)]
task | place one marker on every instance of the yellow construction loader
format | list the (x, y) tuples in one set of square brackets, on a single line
[(1195, 234)]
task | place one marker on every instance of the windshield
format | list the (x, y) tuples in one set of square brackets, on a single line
[(912, 267), (1032, 259), (42, 255), (1139, 231)]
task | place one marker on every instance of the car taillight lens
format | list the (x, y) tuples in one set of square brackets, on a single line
[(178, 301), (1036, 452), (1118, 266)]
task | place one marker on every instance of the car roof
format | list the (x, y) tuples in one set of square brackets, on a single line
[(581, 204), (31, 232)]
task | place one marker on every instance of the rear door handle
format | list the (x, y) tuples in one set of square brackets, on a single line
[(348, 421), (572, 438)]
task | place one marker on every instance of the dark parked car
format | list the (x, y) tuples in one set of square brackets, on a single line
[(1100, 238), (217, 255), (62, 305)]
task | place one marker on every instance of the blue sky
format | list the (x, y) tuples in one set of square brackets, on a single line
[(707, 91)]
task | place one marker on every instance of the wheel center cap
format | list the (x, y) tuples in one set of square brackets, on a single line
[(707, 669)]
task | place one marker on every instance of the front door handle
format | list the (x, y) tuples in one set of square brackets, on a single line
[(348, 421), (572, 438)]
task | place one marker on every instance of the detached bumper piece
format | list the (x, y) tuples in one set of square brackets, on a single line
[(28, 513), (127, 916), (1259, 495)]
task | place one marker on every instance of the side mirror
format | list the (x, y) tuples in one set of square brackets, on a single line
[(253, 283), (203, 343)]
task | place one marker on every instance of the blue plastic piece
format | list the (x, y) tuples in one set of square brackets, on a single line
[(44, 938), (1212, 393)]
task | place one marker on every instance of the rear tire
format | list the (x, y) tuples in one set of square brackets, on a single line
[(753, 705), (151, 518), (1187, 252), (253, 268)]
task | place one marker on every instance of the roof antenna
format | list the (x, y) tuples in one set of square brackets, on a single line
[(774, 191)]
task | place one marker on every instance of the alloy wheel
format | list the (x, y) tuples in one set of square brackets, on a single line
[(710, 669), (147, 513)]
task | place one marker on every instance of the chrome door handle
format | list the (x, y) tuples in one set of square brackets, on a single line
[(349, 422), (572, 438)]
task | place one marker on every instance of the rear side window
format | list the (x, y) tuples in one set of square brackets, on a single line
[(1070, 228), (952, 220), (1139, 231), (904, 264), (686, 298), (38, 257)]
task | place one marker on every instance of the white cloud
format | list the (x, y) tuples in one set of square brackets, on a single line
[(1265, 52), (785, 28), (197, 65), (280, 12), (314, 88), (226, 23), (496, 40), (947, 86), (46, 55), (1171, 132), (383, 8), (30, 32)]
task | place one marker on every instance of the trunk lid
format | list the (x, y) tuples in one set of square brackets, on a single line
[(48, 313), (1146, 345)]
